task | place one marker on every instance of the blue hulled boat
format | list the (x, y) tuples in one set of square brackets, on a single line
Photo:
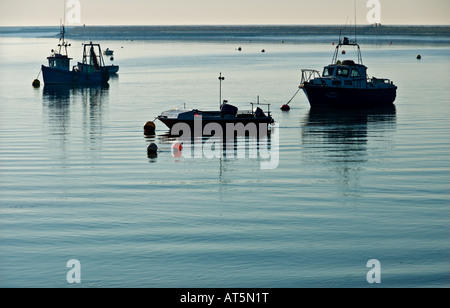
[(91, 73), (346, 84)]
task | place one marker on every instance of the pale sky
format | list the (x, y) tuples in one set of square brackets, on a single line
[(221, 12)]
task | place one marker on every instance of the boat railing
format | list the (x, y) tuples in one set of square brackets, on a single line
[(346, 42), (308, 75), (379, 82)]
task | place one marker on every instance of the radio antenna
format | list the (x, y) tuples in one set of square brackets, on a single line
[(355, 20)]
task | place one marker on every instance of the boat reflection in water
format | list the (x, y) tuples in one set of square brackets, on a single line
[(75, 110), (260, 148), (64, 94), (348, 140)]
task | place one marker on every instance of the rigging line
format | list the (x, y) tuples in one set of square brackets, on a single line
[(293, 96), (39, 73)]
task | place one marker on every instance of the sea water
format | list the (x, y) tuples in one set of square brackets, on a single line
[(76, 182)]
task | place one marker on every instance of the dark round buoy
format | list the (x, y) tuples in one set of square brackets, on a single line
[(152, 148), (263, 50), (112, 58), (285, 107), (419, 57), (239, 49), (149, 128), (343, 52), (36, 83)]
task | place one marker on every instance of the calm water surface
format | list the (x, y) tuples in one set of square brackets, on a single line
[(76, 181)]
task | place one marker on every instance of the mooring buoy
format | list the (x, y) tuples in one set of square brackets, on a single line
[(152, 148), (36, 83), (177, 148), (149, 128), (419, 57), (285, 107)]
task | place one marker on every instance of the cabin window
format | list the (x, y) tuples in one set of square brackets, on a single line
[(328, 71), (343, 72), (355, 73)]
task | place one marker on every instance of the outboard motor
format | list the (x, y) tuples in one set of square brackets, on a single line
[(259, 113), (228, 109)]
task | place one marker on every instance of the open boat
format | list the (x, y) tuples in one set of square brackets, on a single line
[(58, 69), (227, 114), (344, 84), (108, 52)]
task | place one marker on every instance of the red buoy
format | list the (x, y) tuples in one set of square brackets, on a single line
[(177, 147), (285, 107)]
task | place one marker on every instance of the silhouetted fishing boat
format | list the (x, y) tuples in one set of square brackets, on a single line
[(227, 114), (58, 70), (346, 83), (111, 69)]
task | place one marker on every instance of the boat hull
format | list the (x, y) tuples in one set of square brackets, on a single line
[(59, 76), (326, 96), (170, 123), (112, 69)]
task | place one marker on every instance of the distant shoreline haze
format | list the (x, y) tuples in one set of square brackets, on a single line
[(437, 34)]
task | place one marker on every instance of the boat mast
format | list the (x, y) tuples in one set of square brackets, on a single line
[(62, 44), (355, 19), (63, 30)]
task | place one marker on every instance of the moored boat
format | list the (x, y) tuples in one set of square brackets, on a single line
[(346, 84), (228, 114), (58, 70), (108, 52)]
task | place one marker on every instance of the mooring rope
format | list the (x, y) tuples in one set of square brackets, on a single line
[(293, 96)]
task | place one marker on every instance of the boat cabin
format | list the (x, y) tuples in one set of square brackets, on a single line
[(59, 61), (346, 73)]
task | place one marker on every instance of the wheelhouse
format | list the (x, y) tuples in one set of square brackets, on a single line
[(59, 61)]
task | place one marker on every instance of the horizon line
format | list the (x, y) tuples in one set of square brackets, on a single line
[(231, 25)]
